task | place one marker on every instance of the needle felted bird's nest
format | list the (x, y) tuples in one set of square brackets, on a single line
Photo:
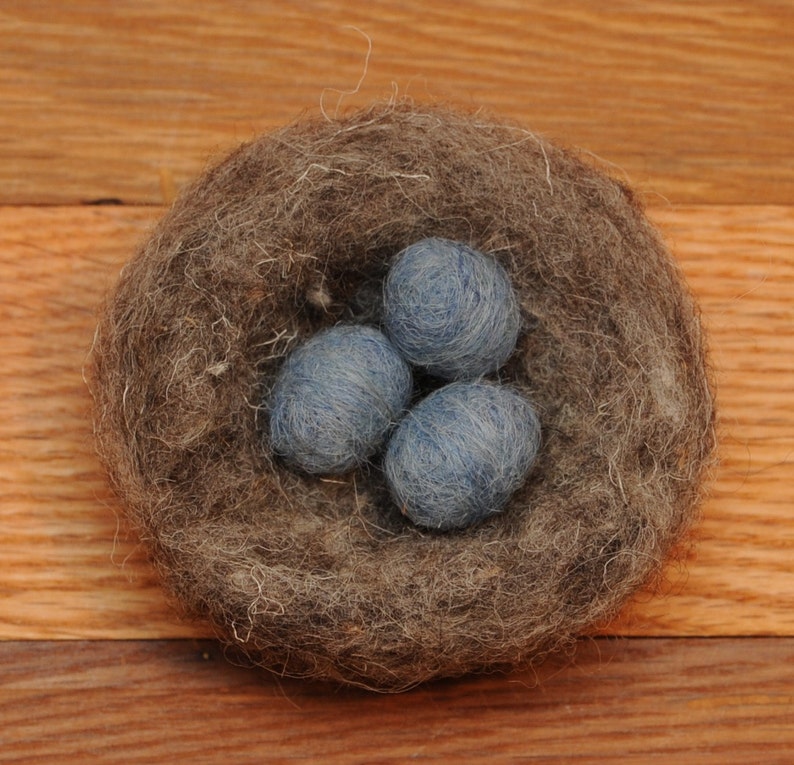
[(323, 577)]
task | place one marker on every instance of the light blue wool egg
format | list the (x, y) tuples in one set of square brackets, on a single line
[(460, 453), (450, 309), (336, 397)]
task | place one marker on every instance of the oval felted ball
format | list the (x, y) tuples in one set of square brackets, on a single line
[(323, 578), (335, 398), (460, 453), (450, 309)]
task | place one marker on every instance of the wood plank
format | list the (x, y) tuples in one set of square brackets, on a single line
[(127, 99), (688, 700), (67, 573)]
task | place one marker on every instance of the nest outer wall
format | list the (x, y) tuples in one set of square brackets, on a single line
[(324, 578)]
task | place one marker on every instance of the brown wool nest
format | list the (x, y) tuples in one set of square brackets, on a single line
[(324, 578)]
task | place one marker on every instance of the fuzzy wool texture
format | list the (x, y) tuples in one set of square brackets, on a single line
[(450, 309), (335, 399), (321, 578), (460, 453)]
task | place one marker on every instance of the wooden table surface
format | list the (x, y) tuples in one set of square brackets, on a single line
[(121, 103)]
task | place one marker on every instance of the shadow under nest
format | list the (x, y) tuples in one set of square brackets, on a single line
[(324, 578)]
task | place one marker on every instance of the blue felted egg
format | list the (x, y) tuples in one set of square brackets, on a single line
[(335, 398), (450, 309), (460, 453)]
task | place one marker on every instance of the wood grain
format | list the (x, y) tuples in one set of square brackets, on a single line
[(686, 701), (66, 573), (127, 99)]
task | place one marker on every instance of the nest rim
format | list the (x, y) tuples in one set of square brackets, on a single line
[(350, 631)]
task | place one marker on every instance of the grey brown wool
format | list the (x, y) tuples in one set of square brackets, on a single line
[(321, 578)]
